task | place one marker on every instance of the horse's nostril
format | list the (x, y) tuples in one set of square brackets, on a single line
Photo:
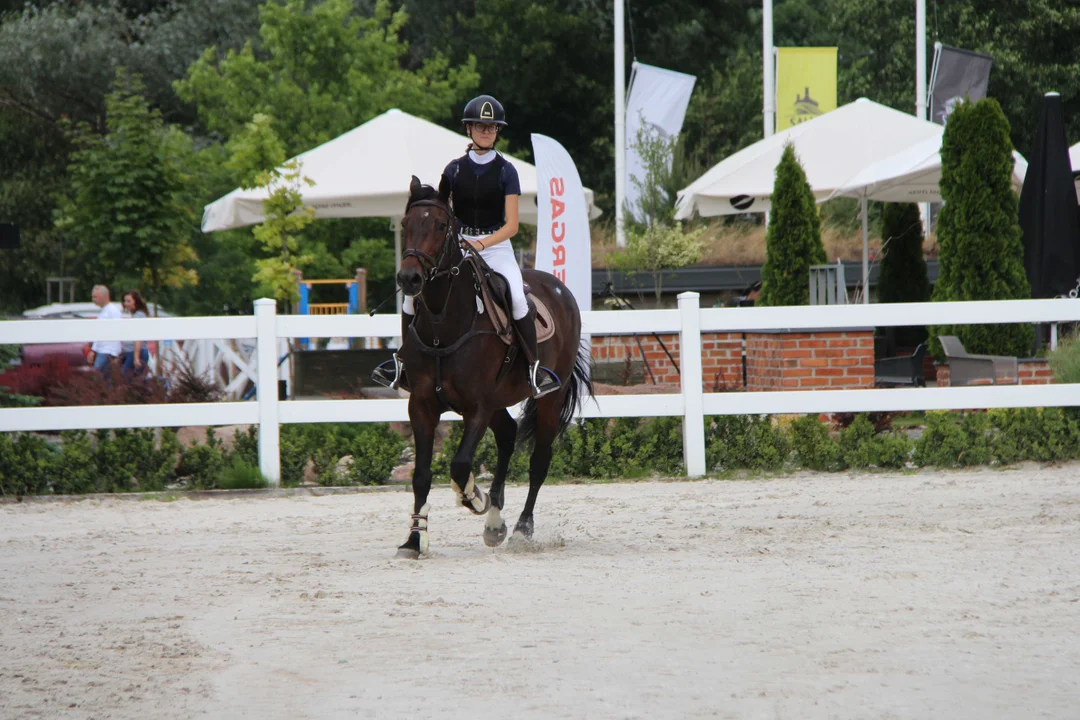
[(410, 281)]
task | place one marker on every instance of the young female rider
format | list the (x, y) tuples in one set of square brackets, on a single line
[(484, 188)]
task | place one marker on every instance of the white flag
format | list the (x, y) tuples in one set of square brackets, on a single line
[(658, 101), (563, 242)]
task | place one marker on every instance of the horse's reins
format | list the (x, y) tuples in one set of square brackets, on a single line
[(434, 350)]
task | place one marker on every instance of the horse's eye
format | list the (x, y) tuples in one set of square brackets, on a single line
[(442, 226)]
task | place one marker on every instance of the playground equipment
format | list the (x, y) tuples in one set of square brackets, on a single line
[(356, 287)]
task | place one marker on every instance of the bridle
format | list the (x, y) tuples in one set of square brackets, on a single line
[(433, 266)]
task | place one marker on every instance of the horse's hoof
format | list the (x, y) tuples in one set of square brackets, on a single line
[(407, 554), (493, 537)]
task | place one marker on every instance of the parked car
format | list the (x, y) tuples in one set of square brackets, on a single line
[(74, 353)]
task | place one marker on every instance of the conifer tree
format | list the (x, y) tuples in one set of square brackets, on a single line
[(793, 242), (981, 255), (903, 275)]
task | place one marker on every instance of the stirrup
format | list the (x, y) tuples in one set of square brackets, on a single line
[(388, 374), (543, 380)]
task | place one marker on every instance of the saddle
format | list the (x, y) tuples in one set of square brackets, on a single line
[(495, 295)]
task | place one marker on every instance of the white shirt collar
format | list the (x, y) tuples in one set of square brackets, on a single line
[(482, 159)]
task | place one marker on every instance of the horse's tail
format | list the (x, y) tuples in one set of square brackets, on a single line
[(580, 385)]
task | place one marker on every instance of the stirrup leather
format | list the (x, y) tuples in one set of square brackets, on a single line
[(382, 374), (543, 380)]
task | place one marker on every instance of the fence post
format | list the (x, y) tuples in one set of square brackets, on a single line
[(267, 389), (690, 381)]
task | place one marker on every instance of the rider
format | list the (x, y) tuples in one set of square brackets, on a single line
[(484, 189)]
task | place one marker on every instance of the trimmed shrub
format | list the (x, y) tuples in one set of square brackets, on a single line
[(1042, 434), (814, 447), (981, 255), (239, 475), (744, 442), (861, 446), (793, 241), (947, 443), (375, 452), (903, 275), (25, 461)]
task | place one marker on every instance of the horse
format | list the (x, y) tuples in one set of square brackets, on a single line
[(454, 359)]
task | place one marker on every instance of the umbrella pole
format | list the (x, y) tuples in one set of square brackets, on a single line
[(865, 251)]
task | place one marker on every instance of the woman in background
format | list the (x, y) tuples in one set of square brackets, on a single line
[(135, 352)]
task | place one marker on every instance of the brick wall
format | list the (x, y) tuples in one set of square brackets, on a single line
[(721, 357), (1033, 371), (810, 360)]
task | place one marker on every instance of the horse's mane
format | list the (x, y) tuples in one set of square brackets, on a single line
[(423, 192)]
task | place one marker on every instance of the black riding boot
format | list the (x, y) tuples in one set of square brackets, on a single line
[(541, 379), (391, 373)]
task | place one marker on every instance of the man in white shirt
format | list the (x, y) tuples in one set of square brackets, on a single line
[(104, 352)]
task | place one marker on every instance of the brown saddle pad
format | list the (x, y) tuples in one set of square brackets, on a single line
[(545, 324)]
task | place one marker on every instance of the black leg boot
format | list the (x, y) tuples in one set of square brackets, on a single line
[(391, 373), (542, 380)]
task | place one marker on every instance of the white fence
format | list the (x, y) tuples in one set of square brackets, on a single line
[(689, 321)]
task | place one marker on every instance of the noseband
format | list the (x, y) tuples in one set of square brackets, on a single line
[(432, 266)]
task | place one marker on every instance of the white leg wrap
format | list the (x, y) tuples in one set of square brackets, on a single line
[(494, 520), (471, 497), (420, 525)]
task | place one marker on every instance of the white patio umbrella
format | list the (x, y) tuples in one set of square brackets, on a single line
[(910, 175), (831, 149), (366, 173)]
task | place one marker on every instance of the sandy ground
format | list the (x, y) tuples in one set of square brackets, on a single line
[(936, 595)]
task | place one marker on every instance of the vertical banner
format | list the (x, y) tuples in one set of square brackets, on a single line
[(805, 84), (563, 242), (957, 74), (656, 108)]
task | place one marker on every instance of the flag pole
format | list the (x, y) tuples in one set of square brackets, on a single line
[(620, 124)]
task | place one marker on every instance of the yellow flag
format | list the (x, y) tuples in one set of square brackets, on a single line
[(805, 84)]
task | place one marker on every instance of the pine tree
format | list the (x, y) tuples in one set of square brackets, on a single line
[(981, 255), (793, 242), (903, 268)]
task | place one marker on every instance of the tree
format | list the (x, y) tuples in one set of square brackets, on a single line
[(981, 255), (257, 155), (656, 248), (126, 207), (319, 72), (903, 275), (793, 242)]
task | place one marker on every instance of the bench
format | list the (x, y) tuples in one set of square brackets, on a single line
[(905, 370), (967, 369)]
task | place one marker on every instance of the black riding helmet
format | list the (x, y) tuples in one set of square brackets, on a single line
[(484, 109)]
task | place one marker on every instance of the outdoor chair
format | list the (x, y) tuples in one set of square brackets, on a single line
[(968, 369), (901, 370)]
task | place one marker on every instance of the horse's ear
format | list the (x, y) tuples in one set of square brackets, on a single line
[(444, 190), (414, 185)]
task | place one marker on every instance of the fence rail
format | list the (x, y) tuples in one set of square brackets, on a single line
[(691, 403)]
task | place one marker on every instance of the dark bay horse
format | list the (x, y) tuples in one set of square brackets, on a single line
[(454, 360)]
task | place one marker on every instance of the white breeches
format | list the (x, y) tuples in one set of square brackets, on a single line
[(502, 260)]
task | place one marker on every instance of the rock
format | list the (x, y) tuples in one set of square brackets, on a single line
[(342, 468), (403, 473), (309, 473)]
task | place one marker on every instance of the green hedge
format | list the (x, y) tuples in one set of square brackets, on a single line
[(142, 460), (148, 460)]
